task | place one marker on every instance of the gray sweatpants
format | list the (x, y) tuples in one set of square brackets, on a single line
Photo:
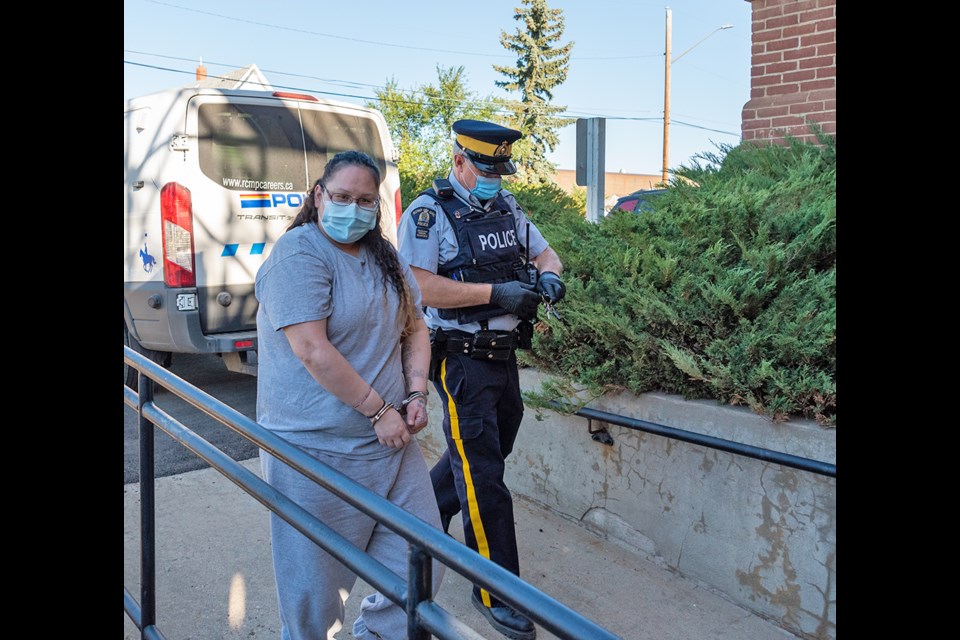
[(312, 586)]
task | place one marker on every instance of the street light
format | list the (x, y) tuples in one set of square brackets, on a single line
[(666, 87)]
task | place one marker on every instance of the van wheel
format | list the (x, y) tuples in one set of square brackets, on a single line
[(130, 374)]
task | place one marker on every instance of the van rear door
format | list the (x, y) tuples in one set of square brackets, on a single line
[(258, 155)]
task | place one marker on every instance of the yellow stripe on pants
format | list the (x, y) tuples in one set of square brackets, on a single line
[(474, 509)]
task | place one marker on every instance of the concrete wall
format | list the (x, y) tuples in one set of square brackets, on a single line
[(762, 534)]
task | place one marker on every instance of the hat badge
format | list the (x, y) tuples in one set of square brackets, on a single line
[(503, 149)]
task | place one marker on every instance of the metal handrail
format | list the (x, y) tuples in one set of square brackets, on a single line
[(424, 615), (739, 448)]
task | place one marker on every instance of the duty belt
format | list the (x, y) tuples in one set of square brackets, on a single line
[(482, 345)]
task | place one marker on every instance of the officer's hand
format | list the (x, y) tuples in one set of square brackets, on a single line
[(517, 298), (551, 285)]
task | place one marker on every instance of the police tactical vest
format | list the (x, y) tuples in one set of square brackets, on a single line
[(489, 252)]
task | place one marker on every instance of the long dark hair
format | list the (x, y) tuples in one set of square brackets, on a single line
[(383, 252)]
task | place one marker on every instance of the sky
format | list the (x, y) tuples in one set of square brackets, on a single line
[(347, 50)]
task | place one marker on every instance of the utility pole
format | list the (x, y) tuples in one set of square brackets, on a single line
[(666, 86), (666, 98)]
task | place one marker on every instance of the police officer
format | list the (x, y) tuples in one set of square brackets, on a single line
[(473, 252)]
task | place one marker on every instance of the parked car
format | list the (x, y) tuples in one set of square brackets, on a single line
[(637, 202)]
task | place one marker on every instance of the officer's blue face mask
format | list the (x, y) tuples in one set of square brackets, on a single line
[(486, 187), (346, 223)]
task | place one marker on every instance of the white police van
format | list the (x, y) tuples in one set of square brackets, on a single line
[(211, 178)]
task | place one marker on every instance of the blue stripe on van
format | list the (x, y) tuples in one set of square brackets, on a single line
[(256, 249)]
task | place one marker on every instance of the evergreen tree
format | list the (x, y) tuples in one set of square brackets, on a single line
[(541, 66), (421, 124)]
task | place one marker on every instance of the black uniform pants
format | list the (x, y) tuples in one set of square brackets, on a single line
[(482, 410)]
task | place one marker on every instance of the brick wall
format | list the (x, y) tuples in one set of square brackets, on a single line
[(793, 78)]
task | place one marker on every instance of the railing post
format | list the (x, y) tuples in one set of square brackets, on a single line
[(148, 548), (419, 588)]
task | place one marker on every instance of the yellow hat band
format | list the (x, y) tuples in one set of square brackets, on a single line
[(485, 148)]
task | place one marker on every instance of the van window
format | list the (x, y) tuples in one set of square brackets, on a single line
[(248, 147), (255, 147), (330, 133)]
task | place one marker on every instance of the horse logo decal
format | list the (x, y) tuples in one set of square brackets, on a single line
[(148, 260)]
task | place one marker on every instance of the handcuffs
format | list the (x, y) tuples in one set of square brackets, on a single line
[(402, 409)]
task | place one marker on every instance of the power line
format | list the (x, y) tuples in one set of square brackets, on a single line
[(645, 55), (259, 23), (694, 126), (347, 83), (283, 73), (564, 114), (276, 86)]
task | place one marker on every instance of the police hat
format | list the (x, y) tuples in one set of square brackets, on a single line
[(488, 145)]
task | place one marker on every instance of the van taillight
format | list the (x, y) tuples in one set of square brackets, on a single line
[(398, 205), (295, 96), (176, 211)]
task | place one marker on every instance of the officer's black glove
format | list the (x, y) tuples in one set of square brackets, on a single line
[(517, 298), (551, 285)]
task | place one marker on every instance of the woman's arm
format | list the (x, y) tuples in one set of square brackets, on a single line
[(335, 374), (415, 354)]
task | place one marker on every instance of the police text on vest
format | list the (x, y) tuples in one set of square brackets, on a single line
[(499, 240)]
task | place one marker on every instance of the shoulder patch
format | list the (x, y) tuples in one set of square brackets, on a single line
[(424, 217)]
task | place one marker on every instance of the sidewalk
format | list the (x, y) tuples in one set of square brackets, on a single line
[(215, 576)]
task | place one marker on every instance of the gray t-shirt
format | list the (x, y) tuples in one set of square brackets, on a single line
[(306, 277), (427, 240)]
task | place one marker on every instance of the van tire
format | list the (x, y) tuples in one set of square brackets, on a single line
[(130, 375)]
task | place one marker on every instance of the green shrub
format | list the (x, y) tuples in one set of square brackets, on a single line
[(726, 290)]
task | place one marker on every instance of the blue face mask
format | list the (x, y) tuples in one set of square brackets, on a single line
[(346, 223), (486, 187)]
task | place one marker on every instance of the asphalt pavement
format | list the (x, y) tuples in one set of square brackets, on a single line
[(215, 576)]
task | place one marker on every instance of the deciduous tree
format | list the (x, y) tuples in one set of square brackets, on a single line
[(421, 124)]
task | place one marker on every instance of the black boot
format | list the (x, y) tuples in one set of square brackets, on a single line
[(505, 620)]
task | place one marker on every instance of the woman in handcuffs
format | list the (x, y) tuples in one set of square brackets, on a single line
[(342, 346)]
